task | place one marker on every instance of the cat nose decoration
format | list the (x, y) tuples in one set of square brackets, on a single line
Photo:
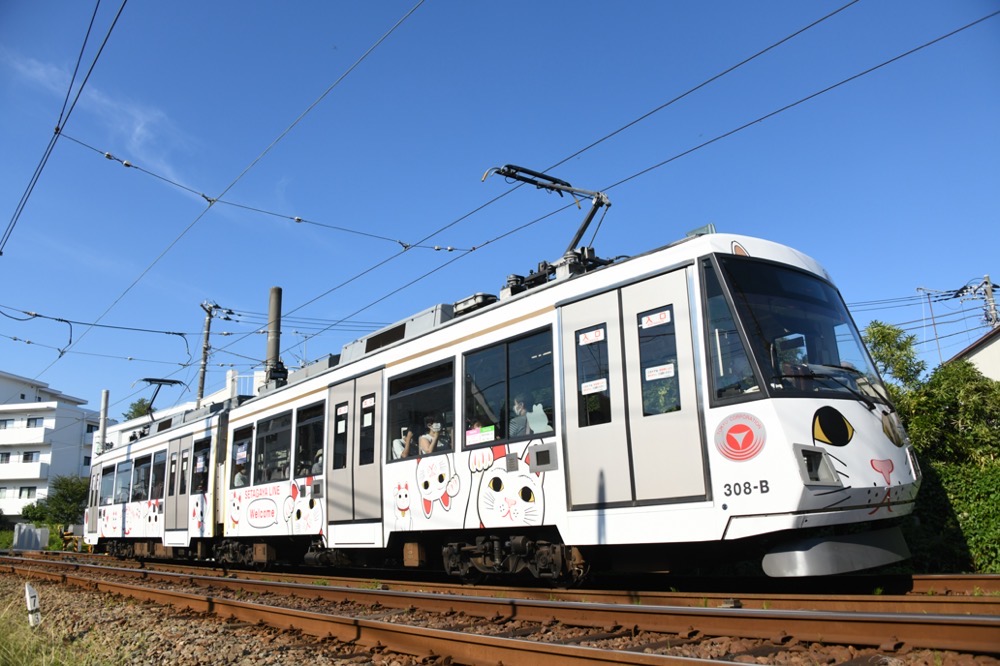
[(883, 467)]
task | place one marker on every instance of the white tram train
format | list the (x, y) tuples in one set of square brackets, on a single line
[(709, 397)]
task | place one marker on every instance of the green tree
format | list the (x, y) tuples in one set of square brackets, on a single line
[(64, 505), (36, 512), (138, 408), (894, 353), (955, 415), (67, 499)]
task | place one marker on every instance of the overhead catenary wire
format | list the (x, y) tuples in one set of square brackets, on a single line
[(239, 177), (212, 200), (217, 200), (635, 175), (64, 115), (689, 151), (584, 149), (627, 179)]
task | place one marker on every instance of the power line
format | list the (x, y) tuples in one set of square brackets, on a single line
[(64, 115), (702, 85), (211, 201), (241, 175), (802, 100), (292, 218), (643, 171), (575, 154), (80, 353)]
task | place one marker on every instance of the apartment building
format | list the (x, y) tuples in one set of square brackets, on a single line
[(43, 434)]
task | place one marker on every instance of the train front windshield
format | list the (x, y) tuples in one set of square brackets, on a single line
[(802, 339)]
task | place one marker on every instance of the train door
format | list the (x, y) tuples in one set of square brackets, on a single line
[(94, 500), (178, 474), (665, 433), (356, 458), (632, 428), (596, 435)]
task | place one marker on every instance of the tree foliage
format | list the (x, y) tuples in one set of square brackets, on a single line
[(953, 420), (894, 354), (64, 505), (955, 415), (138, 408)]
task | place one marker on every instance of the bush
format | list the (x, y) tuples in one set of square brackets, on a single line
[(955, 415), (957, 519)]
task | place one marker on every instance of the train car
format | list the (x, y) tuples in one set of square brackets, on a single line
[(153, 486), (711, 396)]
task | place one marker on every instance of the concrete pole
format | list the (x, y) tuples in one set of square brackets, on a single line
[(102, 429), (209, 308)]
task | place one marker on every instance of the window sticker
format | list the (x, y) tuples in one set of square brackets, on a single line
[(480, 435), (656, 319), (595, 386), (591, 337), (660, 372)]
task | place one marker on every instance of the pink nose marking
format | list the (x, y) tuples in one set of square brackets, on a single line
[(883, 467)]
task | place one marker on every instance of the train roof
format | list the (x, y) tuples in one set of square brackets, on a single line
[(583, 263)]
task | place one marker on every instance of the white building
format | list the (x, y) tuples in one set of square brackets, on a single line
[(43, 434), (984, 353)]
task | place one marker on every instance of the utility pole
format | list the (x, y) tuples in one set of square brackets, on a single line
[(983, 290), (209, 309), (933, 322), (991, 305)]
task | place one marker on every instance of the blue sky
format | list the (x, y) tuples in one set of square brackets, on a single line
[(274, 109)]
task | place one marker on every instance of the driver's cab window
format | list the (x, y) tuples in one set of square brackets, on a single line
[(732, 374)]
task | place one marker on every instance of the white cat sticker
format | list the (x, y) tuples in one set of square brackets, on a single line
[(510, 497)]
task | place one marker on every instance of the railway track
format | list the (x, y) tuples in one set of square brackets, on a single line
[(642, 628), (939, 595)]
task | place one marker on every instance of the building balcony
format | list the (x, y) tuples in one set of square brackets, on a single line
[(12, 506), (20, 470), (26, 436)]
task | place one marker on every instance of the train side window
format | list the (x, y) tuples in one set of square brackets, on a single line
[(309, 440), (123, 479), (185, 460), (140, 479), (658, 361), (366, 438), (509, 390), (108, 485), (340, 416), (199, 474), (593, 376), (239, 456), (274, 449), (172, 483), (424, 402), (159, 472), (732, 374)]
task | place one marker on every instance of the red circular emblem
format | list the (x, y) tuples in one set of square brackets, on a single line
[(740, 436)]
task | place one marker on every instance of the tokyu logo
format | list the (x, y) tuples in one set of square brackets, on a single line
[(740, 436)]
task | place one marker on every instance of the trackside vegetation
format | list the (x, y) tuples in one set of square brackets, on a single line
[(952, 417)]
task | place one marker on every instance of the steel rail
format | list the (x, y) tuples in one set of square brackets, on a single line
[(919, 584), (456, 646), (963, 633), (938, 604)]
